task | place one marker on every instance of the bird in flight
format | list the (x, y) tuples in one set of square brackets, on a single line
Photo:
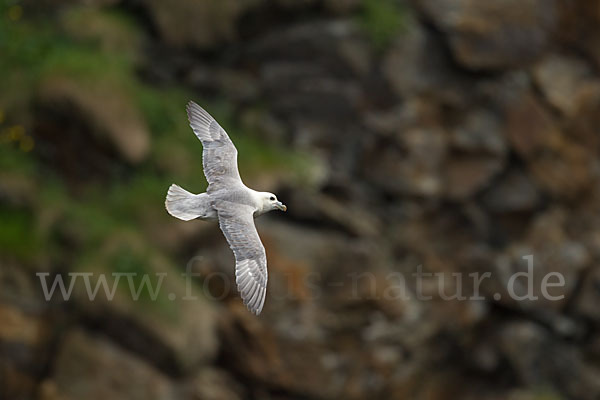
[(231, 202)]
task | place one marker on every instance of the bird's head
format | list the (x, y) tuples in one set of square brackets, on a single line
[(270, 202)]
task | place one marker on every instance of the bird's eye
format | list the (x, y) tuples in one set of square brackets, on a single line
[(272, 198)]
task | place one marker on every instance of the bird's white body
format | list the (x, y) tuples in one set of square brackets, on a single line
[(188, 206), (230, 202)]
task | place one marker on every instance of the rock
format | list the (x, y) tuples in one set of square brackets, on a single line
[(24, 351), (582, 125), (238, 86), (557, 163), (295, 5), (494, 34), (16, 188), (303, 89), (539, 360), (27, 332), (263, 125), (326, 210), (464, 176), (579, 21), (212, 384), (113, 34), (416, 63), (264, 360), (317, 47), (358, 55), (109, 114), (411, 160), (552, 252), (342, 6), (480, 148), (589, 295), (566, 173), (91, 367), (202, 24), (19, 327), (564, 81), (514, 192), (530, 128), (481, 131), (533, 394), (49, 4), (467, 143), (177, 322)]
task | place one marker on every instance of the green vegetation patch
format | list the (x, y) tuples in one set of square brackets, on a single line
[(18, 235), (382, 20)]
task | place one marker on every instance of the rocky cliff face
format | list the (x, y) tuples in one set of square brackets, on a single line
[(449, 136)]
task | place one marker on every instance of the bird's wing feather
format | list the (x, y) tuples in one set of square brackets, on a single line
[(219, 157), (237, 223)]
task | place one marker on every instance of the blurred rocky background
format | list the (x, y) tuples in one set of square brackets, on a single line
[(456, 135)]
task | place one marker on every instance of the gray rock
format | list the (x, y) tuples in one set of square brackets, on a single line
[(552, 251), (481, 131), (417, 64), (539, 359)]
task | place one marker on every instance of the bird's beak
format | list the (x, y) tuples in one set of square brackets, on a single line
[(281, 206)]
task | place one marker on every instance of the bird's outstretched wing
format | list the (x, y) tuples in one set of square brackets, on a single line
[(219, 157), (237, 223)]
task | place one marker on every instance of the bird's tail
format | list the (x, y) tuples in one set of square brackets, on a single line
[(182, 204)]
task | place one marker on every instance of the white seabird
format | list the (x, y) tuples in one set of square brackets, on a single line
[(231, 202)]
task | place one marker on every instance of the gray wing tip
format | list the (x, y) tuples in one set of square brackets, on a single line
[(252, 291), (191, 106), (197, 113), (202, 123), (256, 306)]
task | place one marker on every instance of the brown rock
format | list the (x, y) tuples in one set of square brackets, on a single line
[(113, 34), (24, 341), (530, 127), (565, 174), (109, 111), (466, 175), (273, 360), (16, 326), (93, 368), (342, 6), (211, 384), (563, 80), (202, 24), (495, 33), (559, 164), (177, 322), (26, 333)]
